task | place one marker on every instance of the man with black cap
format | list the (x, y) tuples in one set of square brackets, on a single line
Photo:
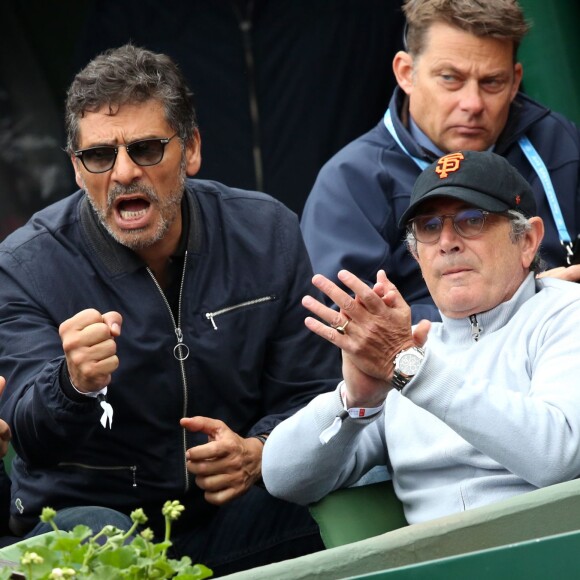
[(458, 88), (477, 408)]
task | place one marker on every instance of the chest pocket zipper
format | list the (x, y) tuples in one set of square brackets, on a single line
[(211, 316)]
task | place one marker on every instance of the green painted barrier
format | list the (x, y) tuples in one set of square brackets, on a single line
[(527, 517), (552, 557), (349, 515), (549, 55)]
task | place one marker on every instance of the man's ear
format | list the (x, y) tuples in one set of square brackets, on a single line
[(412, 249), (78, 177), (193, 155), (518, 74), (403, 70), (532, 240)]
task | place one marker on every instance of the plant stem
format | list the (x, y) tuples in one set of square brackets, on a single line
[(167, 535)]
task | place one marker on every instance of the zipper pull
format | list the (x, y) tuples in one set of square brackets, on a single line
[(476, 329), (181, 350), (209, 316)]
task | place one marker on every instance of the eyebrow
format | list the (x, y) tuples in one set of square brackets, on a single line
[(452, 68), (115, 143)]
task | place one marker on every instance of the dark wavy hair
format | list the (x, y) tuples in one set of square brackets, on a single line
[(502, 19), (130, 74)]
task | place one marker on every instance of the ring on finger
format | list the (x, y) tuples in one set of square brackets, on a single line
[(342, 328)]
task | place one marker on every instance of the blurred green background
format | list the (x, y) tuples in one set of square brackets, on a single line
[(550, 54)]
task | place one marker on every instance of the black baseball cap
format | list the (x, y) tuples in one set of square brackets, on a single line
[(484, 179)]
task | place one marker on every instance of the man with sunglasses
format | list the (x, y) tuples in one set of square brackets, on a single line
[(151, 331), (458, 88), (474, 409)]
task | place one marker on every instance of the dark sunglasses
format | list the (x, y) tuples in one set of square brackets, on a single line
[(468, 223), (145, 152)]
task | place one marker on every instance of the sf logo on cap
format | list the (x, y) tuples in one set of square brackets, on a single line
[(448, 164)]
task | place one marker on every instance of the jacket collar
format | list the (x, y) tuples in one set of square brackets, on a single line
[(399, 107), (118, 259), (524, 112)]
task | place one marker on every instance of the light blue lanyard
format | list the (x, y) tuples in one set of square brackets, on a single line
[(537, 164), (540, 168)]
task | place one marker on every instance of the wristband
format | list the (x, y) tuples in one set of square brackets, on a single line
[(101, 396), (263, 438)]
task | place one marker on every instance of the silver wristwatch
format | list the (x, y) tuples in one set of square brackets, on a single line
[(407, 364)]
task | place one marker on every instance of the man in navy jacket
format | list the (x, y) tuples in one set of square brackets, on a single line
[(151, 331), (458, 89)]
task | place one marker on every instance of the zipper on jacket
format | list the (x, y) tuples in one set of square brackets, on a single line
[(132, 468), (211, 316), (180, 352)]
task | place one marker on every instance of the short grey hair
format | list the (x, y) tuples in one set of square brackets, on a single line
[(520, 225)]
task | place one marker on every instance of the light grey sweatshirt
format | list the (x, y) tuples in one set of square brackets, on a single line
[(481, 421)]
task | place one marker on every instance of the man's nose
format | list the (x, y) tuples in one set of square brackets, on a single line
[(471, 98), (450, 240), (125, 170)]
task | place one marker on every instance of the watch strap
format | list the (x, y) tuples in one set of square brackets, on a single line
[(399, 381)]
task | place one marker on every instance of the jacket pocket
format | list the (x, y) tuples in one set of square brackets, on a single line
[(211, 316), (132, 469)]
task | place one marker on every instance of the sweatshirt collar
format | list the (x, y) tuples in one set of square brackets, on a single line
[(497, 317)]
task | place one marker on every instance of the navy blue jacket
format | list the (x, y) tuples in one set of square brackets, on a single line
[(250, 366), (350, 217)]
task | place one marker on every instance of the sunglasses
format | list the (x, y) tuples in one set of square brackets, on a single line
[(144, 153), (468, 223)]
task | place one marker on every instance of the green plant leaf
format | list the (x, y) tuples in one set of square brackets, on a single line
[(106, 555), (197, 572), (81, 532), (104, 573), (121, 557)]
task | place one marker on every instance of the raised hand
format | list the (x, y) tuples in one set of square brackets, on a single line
[(88, 341), (378, 328)]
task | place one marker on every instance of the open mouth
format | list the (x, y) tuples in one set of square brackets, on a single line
[(132, 212)]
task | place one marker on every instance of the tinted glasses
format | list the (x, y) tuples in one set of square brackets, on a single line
[(468, 223), (145, 152)]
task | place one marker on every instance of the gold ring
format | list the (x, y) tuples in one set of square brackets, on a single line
[(342, 328)]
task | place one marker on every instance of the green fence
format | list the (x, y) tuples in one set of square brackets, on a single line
[(550, 55)]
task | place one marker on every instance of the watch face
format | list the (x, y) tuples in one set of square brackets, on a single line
[(409, 364)]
